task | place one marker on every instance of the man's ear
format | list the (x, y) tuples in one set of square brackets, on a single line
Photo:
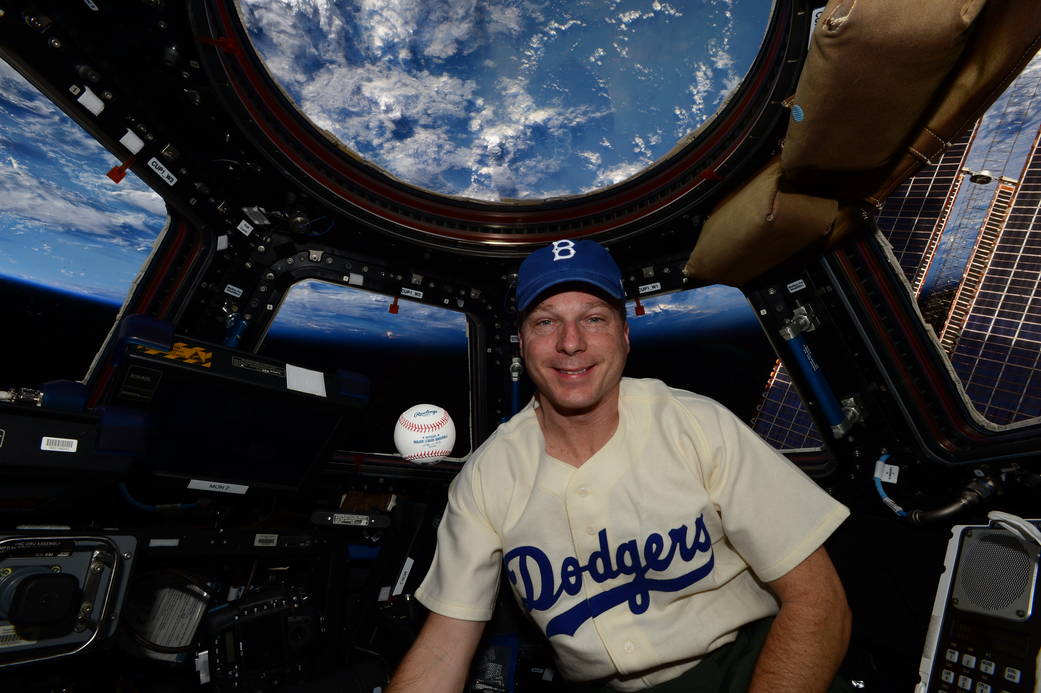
[(625, 331)]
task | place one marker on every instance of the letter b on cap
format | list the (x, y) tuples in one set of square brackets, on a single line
[(563, 250)]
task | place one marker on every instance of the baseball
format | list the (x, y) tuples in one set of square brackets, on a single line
[(424, 434)]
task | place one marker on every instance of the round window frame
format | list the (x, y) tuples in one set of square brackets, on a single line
[(676, 189)]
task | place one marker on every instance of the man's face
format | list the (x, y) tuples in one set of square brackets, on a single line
[(574, 346)]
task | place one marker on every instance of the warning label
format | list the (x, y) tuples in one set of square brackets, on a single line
[(184, 352)]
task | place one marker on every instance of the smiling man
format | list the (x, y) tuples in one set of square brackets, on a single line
[(654, 538)]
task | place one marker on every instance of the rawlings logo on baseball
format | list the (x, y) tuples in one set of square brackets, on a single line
[(424, 434)]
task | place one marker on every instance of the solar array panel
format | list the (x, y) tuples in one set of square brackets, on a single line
[(914, 217), (996, 352), (781, 419)]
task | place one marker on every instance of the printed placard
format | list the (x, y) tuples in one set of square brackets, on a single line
[(350, 520), (52, 444), (403, 577), (647, 288), (220, 487), (163, 172)]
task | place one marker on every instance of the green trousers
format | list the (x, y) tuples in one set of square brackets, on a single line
[(725, 670)]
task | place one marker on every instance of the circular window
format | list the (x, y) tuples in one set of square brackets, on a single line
[(509, 99)]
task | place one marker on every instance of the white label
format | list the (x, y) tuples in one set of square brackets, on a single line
[(91, 102), (350, 520), (815, 18), (132, 142), (796, 286), (202, 666), (90, 5), (405, 291), (514, 339), (245, 227), (163, 172), (265, 540), (354, 279), (1, 437), (305, 380), (647, 288), (164, 543), (233, 290), (405, 570), (888, 473), (384, 593), (204, 485), (222, 242), (58, 444)]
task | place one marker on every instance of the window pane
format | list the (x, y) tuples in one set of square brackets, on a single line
[(706, 340), (939, 223), (503, 99), (416, 356), (71, 240)]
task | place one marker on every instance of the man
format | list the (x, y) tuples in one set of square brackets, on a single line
[(647, 531)]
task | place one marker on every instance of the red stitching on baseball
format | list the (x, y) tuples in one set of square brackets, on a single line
[(424, 427), (428, 453)]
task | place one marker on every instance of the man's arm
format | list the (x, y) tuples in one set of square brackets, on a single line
[(439, 660), (810, 633)]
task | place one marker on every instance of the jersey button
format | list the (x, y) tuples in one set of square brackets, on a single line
[(629, 646), (583, 491)]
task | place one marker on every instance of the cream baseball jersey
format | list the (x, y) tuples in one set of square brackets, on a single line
[(646, 557)]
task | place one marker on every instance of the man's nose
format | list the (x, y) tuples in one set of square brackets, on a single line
[(571, 340)]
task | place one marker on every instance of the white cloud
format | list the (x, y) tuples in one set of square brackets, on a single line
[(593, 158), (617, 174), (385, 77), (27, 196)]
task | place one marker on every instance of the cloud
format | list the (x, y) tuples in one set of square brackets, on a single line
[(617, 174), (40, 200), (462, 97)]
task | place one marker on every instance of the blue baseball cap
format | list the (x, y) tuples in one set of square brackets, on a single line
[(564, 262)]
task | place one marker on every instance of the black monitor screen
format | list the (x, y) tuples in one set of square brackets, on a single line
[(204, 426)]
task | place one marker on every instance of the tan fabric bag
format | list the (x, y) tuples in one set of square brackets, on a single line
[(740, 240), (872, 70), (760, 225)]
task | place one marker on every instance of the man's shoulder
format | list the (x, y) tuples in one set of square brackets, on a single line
[(650, 392), (518, 430)]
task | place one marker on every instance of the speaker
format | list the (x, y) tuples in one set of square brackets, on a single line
[(997, 575), (985, 632)]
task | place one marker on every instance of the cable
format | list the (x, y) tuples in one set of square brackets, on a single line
[(974, 493), (890, 503), (1026, 531)]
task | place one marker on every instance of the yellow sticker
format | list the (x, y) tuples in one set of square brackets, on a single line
[(182, 351)]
